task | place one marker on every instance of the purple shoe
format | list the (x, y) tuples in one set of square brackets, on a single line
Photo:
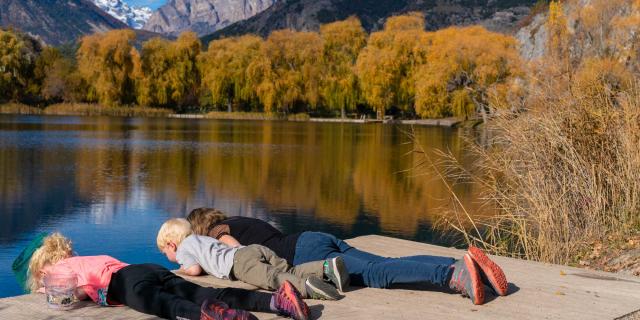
[(289, 302), (218, 310)]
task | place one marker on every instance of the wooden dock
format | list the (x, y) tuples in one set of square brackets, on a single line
[(537, 291)]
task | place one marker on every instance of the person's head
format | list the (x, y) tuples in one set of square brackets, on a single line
[(55, 247), (202, 219), (171, 234)]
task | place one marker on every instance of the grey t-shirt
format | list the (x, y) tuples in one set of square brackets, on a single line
[(215, 257)]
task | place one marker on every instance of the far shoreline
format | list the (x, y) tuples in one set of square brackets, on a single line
[(83, 109)]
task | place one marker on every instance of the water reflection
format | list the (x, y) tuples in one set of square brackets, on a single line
[(118, 179)]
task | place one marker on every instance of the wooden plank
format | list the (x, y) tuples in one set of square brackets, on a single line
[(538, 291)]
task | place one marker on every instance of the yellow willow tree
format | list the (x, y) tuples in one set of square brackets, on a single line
[(385, 66), (343, 42), (224, 71), (184, 74), (286, 74), (168, 73), (106, 61), (153, 84), (464, 67)]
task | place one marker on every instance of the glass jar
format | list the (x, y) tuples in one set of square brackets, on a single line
[(59, 289)]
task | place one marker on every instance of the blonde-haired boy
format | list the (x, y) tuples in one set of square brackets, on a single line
[(254, 264)]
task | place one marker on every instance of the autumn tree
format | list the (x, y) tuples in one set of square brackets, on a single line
[(106, 61), (463, 67), (287, 71), (343, 41), (224, 71), (184, 73), (58, 77), (18, 54), (168, 73), (154, 81), (385, 66), (558, 39)]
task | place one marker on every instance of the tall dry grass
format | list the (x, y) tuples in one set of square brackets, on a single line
[(18, 108), (86, 109), (557, 176)]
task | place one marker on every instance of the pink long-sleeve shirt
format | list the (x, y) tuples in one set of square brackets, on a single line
[(94, 274)]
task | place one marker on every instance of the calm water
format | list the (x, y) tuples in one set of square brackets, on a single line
[(109, 183)]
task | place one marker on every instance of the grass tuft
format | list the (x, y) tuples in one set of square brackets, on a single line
[(18, 108)]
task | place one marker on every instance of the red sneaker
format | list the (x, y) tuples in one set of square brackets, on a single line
[(218, 310), (466, 280), (490, 271), (289, 302)]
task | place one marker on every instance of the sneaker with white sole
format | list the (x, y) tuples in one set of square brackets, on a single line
[(336, 272), (320, 290)]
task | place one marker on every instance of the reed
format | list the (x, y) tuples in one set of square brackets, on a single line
[(556, 177)]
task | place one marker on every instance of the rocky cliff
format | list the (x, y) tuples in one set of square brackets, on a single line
[(500, 15), (56, 22), (594, 28), (202, 16)]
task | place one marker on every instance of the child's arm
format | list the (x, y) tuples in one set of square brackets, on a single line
[(194, 270), (230, 241)]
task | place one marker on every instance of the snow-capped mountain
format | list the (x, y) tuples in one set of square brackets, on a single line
[(135, 17)]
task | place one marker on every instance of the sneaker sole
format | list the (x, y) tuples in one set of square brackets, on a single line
[(290, 292), (476, 282), (340, 268), (494, 273), (319, 293)]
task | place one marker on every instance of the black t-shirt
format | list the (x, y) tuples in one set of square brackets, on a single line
[(255, 231)]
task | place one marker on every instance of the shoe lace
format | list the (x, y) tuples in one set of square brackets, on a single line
[(458, 282)]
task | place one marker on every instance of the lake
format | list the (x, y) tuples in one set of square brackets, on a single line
[(109, 183)]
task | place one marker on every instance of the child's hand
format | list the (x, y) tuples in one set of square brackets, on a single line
[(81, 294)]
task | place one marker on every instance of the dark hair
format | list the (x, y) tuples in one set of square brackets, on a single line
[(203, 219)]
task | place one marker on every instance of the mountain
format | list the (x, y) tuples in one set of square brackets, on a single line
[(497, 15), (202, 16), (134, 17), (56, 22)]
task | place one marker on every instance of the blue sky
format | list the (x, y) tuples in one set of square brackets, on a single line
[(153, 4)]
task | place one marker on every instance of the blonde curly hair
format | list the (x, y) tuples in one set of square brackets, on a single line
[(203, 219), (55, 247)]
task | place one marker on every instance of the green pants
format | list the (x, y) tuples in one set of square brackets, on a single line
[(259, 266)]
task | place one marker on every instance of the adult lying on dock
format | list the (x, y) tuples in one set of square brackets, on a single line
[(147, 288), (466, 276), (255, 264)]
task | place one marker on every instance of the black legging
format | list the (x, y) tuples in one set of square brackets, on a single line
[(153, 289)]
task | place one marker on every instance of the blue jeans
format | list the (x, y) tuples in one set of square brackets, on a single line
[(366, 269)]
